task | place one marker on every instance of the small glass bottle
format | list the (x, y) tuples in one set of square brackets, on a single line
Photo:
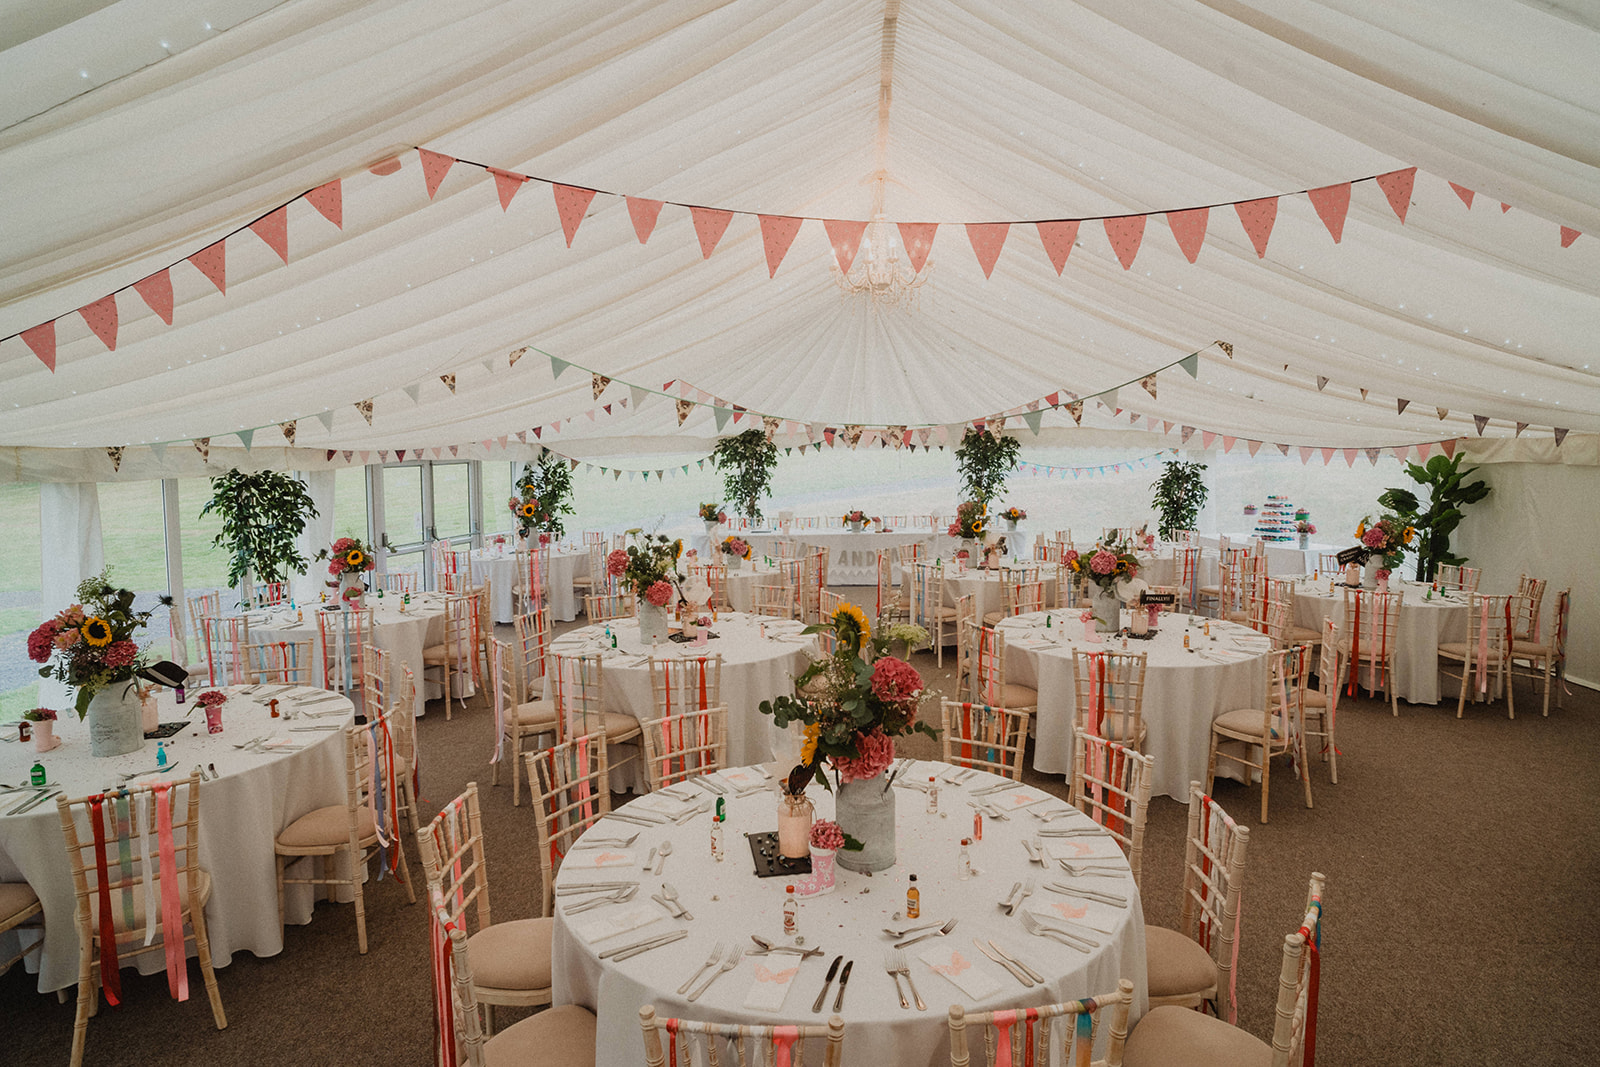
[(913, 900), (977, 825), (1186, 639), (161, 753), (1047, 624), (791, 910), (716, 839), (177, 693), (965, 863), (36, 775), (933, 795), (1206, 628)]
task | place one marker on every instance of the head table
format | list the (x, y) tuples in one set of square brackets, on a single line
[(498, 563), (257, 792), (852, 554), (1185, 689), (1426, 621), (729, 903)]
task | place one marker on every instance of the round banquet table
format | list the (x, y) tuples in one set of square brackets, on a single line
[(397, 629), (241, 814), (852, 556), (1424, 626), (754, 668), (742, 583), (499, 564), (729, 904), (984, 587), (1184, 689)]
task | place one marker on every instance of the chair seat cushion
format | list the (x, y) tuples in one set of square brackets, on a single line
[(992, 617), (1177, 965), (941, 613), (1238, 616), (1111, 729), (614, 724), (15, 897), (434, 655), (1015, 696), (1302, 635), (1315, 699), (1520, 647), (512, 955), (1245, 721), (535, 713), (202, 888), (1211, 590), (328, 827), (1456, 649), (555, 1037), (1172, 1035)]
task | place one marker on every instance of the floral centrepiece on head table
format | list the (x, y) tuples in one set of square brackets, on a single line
[(853, 704), (648, 569), (1385, 540), (970, 522), (712, 514), (90, 647), (736, 549)]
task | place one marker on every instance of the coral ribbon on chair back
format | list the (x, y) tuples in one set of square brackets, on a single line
[(110, 971), (966, 733), (1003, 1022), (1355, 648), (783, 1039), (1097, 693), (1313, 941), (171, 899), (584, 789), (444, 1015), (497, 682)]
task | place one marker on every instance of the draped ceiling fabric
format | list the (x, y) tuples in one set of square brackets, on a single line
[(134, 133)]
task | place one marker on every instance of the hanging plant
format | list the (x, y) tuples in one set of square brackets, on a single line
[(984, 462), (1180, 493), (1447, 496), (746, 461), (263, 515), (548, 483)]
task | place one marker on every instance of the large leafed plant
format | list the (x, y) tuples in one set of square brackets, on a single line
[(1449, 492), (984, 462), (1180, 493), (746, 461), (263, 515)]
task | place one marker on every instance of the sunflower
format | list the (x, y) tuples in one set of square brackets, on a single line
[(1361, 529), (849, 614), (528, 510), (355, 557), (1411, 532), (96, 631), (808, 751), (977, 526)]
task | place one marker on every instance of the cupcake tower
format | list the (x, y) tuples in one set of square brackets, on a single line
[(1275, 521)]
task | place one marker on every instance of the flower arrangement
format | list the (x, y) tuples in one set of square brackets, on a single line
[(735, 546), (211, 698), (856, 515), (90, 645), (713, 512), (864, 698), (525, 510), (1107, 566), (1386, 537), (970, 516), (40, 715), (648, 568), (1305, 526), (1013, 514), (347, 556), (825, 833)]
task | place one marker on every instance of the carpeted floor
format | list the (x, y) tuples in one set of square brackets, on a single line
[(1458, 856)]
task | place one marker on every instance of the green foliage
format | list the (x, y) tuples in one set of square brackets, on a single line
[(1448, 494), (984, 462), (263, 514), (746, 461), (1180, 493), (549, 481)]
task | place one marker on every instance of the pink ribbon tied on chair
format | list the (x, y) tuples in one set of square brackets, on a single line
[(783, 1039)]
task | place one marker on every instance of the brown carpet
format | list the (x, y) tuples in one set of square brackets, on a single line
[(1458, 855)]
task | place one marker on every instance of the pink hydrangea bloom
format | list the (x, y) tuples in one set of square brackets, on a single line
[(119, 653), (1374, 538), (1102, 562), (825, 833), (659, 593), (894, 680), (1383, 574), (955, 529), (41, 641), (1069, 555), (877, 752), (617, 563)]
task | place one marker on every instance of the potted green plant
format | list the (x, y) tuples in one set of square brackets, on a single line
[(1449, 492), (1180, 493), (984, 462), (263, 515), (746, 461)]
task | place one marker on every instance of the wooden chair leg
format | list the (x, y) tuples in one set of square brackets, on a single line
[(282, 862), (405, 877), (202, 945), (516, 767), (1511, 697), (1466, 672), (1266, 776), (1388, 684), (358, 870), (1305, 768), (88, 998), (1211, 765)]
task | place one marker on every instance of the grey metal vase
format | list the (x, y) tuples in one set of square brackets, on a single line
[(115, 720), (865, 811)]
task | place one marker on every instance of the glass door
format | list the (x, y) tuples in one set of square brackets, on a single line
[(415, 504)]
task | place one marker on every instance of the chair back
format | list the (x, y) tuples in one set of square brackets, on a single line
[(1186, 570), (458, 1026), (1559, 641), (120, 840), (1028, 1031), (813, 583), (775, 599), (1022, 594), (684, 745), (1111, 785), (988, 664), (1108, 688), (533, 644), (1294, 1034), (985, 738), (754, 1044), (1451, 576), (685, 683), (201, 607), (603, 607), (575, 685), (1371, 626), (1213, 881), (344, 638), (1531, 590), (927, 592), (785, 548), (400, 582), (1328, 564), (280, 662), (828, 605), (225, 639), (271, 593), (716, 576), (600, 580), (888, 596), (571, 785), (594, 537), (452, 859), (372, 780)]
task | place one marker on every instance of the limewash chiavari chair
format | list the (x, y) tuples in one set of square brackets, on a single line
[(1321, 704), (1185, 537), (137, 893), (280, 663), (1186, 572), (984, 738), (928, 607), (716, 577), (685, 744), (1172, 1035), (1280, 616), (270, 594), (966, 643), (1195, 963), (1223, 597), (454, 658), (1545, 661), (1483, 660), (1368, 635), (1108, 694), (533, 576), (594, 537), (685, 684), (511, 961), (364, 826), (1020, 595), (403, 730), (482, 630), (1273, 726), (571, 792), (598, 579), (785, 548), (1111, 785), (1531, 590), (225, 638), (517, 715), (1328, 564), (775, 600), (398, 582), (344, 640), (603, 607), (532, 643), (1013, 1027), (889, 607), (813, 582), (770, 1044), (989, 674), (577, 685), (1453, 578)]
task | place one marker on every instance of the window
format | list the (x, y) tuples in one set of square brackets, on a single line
[(21, 600)]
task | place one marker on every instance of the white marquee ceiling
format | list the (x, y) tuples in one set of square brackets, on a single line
[(132, 135)]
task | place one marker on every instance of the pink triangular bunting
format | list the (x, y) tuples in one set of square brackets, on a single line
[(1448, 447), (709, 225), (1206, 437), (571, 202), (1423, 450), (1305, 454), (1327, 455), (1058, 238), (844, 235), (1125, 233), (918, 239), (1396, 185), (1350, 455), (212, 261), (1400, 453), (1504, 207), (42, 339), (1228, 443), (273, 228), (777, 234), (1464, 193), (1333, 204), (1569, 235), (435, 166), (1258, 217), (987, 239), (102, 319), (1189, 227), (329, 201), (1254, 447), (644, 214), (157, 292), (506, 185)]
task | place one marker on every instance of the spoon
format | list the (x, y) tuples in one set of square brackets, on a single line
[(650, 860), (671, 893), (661, 862)]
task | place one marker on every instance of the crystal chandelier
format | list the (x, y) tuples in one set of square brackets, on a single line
[(878, 273)]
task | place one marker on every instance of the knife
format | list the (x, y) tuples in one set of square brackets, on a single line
[(833, 969), (838, 1001), (1010, 967), (1035, 975)]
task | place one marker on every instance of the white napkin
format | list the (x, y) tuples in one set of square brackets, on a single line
[(1013, 799), (592, 858), (1080, 849), (958, 966), (1225, 653), (666, 804), (1076, 915), (611, 921), (278, 742), (772, 982), (741, 778)]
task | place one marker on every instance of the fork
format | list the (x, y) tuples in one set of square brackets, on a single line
[(618, 897), (892, 966), (711, 961), (903, 969), (943, 930), (735, 954)]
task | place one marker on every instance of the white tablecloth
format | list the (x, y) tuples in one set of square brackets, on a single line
[(852, 557), (742, 583), (1424, 625), (1184, 690), (402, 633), (1284, 558), (241, 814), (565, 565), (729, 904), (984, 587), (753, 669)]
